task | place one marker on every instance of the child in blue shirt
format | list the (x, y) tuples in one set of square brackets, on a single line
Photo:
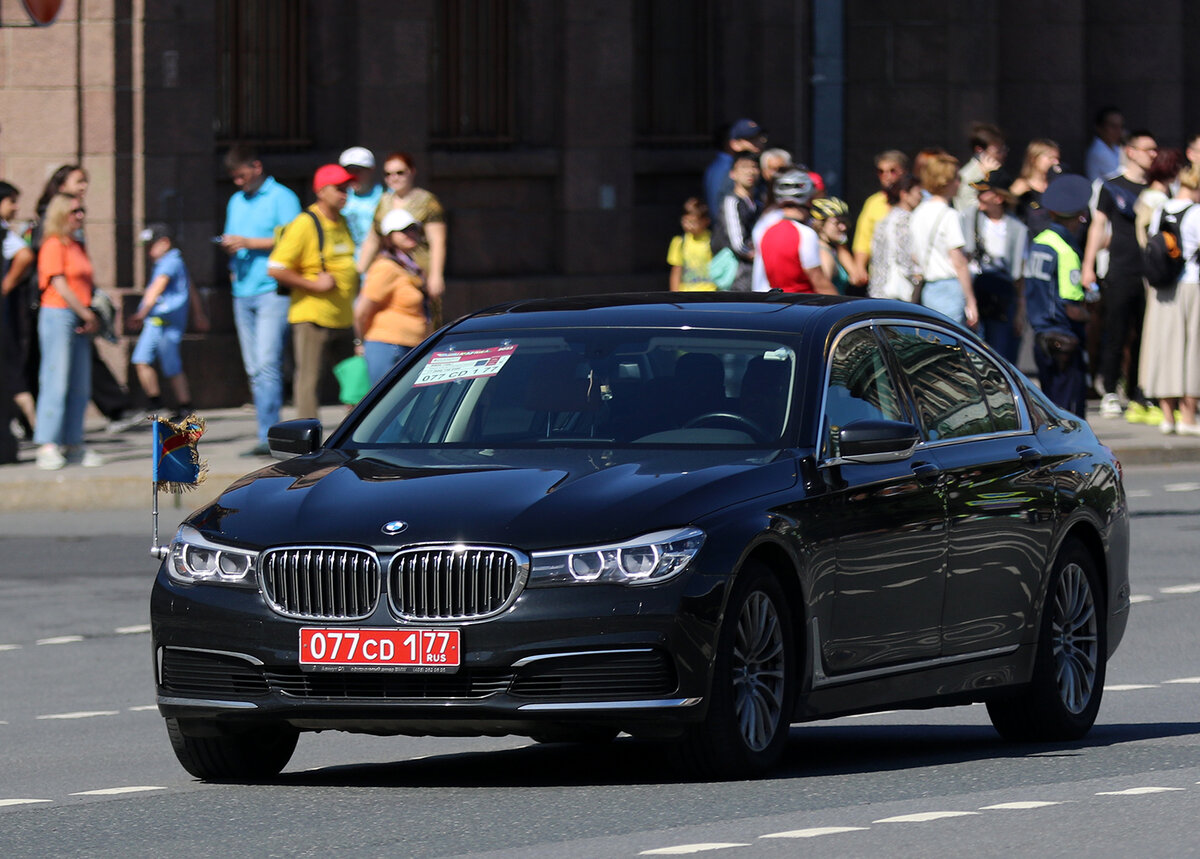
[(163, 317)]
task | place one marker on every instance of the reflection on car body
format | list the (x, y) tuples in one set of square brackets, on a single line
[(696, 519)]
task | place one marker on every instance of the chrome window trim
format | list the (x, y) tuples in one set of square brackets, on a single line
[(1025, 429)]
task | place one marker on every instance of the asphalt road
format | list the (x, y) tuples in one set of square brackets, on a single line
[(86, 769)]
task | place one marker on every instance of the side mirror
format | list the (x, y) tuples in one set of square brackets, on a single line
[(294, 438), (869, 441)]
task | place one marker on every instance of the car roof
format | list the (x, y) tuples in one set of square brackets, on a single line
[(768, 311)]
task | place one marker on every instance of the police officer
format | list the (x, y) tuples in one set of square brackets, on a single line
[(1055, 296)]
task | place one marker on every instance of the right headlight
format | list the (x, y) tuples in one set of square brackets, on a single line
[(196, 559), (645, 560)]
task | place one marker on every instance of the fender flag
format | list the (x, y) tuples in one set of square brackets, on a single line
[(177, 465)]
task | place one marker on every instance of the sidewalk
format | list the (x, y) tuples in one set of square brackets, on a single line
[(123, 482)]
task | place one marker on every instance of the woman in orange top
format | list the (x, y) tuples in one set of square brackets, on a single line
[(66, 324), (390, 314)]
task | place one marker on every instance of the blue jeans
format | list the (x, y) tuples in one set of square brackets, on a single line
[(64, 378), (946, 297), (381, 357), (262, 325)]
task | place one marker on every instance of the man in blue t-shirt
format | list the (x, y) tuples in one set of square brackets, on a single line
[(363, 199), (257, 211), (163, 317)]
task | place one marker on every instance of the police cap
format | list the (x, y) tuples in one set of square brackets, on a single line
[(1067, 194)]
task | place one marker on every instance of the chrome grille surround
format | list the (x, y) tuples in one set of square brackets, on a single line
[(320, 582), (455, 582)]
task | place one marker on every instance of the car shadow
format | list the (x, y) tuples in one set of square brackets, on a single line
[(813, 751)]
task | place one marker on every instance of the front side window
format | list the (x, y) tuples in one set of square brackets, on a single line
[(860, 386), (589, 387)]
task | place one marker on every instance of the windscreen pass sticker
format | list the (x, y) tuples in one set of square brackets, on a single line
[(471, 364)]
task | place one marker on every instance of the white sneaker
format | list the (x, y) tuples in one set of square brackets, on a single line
[(1110, 406), (50, 458), (91, 459)]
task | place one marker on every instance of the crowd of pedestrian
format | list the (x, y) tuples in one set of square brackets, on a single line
[(1050, 257), (295, 276)]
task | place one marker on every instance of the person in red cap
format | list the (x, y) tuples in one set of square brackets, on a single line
[(314, 261)]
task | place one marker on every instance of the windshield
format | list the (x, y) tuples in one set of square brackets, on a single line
[(589, 387)]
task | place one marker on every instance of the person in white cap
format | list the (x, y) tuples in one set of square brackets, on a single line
[(364, 194), (389, 315)]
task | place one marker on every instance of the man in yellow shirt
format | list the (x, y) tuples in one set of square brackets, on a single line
[(889, 166), (314, 261)]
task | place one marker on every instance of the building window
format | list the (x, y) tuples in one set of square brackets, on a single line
[(673, 52), (262, 85), (473, 66)]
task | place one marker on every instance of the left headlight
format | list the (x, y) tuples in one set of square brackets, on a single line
[(194, 559), (645, 560)]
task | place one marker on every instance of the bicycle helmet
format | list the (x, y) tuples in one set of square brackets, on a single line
[(829, 207), (793, 186)]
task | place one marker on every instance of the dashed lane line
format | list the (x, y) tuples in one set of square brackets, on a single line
[(1139, 791), (61, 639), (685, 849), (1018, 806), (10, 647), (116, 791), (82, 714), (1184, 680), (132, 630), (816, 832), (1128, 687), (8, 802), (1181, 589), (1181, 487), (926, 816), (1138, 598)]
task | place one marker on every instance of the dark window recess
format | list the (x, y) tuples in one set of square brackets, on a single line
[(473, 71), (262, 83), (674, 59)]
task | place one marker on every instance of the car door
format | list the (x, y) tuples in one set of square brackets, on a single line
[(888, 521), (999, 494)]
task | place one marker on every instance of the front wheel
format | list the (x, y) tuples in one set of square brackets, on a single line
[(750, 706), (1063, 698), (251, 755)]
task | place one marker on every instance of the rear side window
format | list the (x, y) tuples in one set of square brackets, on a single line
[(1001, 401), (947, 393)]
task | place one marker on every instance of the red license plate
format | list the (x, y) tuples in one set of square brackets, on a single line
[(423, 650)]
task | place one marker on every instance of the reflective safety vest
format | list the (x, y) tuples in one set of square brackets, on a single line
[(1070, 278)]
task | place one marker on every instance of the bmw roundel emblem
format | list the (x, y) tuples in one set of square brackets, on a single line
[(394, 527)]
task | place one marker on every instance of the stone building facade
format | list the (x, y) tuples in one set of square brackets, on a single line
[(562, 136)]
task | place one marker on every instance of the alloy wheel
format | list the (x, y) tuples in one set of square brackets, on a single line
[(758, 671), (1076, 639)]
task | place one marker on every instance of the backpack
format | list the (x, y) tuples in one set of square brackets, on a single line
[(1162, 257)]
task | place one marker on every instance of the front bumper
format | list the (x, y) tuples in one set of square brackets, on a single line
[(634, 659)]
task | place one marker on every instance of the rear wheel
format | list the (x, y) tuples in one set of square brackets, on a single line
[(750, 702), (1063, 698), (210, 753)]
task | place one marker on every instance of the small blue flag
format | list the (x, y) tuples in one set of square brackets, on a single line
[(177, 465)]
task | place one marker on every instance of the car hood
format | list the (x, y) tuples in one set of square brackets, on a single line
[(527, 499)]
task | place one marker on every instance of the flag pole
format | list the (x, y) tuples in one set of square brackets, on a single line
[(156, 550), (176, 465)]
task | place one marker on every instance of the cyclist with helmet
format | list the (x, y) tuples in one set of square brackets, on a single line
[(829, 216), (791, 250)]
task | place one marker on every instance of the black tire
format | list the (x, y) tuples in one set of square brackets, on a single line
[(251, 755), (1062, 699), (753, 685)]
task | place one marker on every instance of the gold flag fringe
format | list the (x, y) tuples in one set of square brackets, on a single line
[(193, 427)]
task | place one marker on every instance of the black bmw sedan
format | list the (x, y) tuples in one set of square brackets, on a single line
[(691, 518)]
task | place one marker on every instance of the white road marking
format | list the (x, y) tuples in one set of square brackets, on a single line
[(61, 639), (684, 849), (113, 791), (1018, 806), (875, 713), (1182, 487), (82, 714), (1136, 598), (926, 816), (10, 647), (1185, 680), (1138, 791), (1128, 687), (1181, 589), (4, 802), (816, 831), (132, 630), (143, 708)]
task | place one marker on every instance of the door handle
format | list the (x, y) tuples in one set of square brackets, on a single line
[(1029, 455), (927, 473)]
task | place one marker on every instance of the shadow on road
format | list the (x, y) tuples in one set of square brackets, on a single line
[(814, 751)]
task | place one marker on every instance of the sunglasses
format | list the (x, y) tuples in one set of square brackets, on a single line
[(395, 173), (79, 211)]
